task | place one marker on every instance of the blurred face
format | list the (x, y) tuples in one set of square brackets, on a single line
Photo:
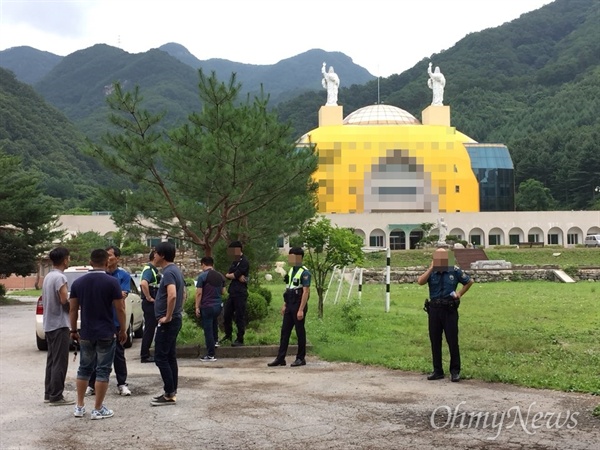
[(440, 259), (295, 260), (234, 253)]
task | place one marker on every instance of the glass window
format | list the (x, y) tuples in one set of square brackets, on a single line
[(376, 241)]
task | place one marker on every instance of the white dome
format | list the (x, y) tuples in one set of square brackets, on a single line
[(380, 115)]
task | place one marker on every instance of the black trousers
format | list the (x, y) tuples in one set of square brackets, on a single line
[(149, 328), (444, 320), (235, 307), (290, 320), (57, 363)]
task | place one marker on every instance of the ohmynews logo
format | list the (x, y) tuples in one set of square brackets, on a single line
[(445, 417)]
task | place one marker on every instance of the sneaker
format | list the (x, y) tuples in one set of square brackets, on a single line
[(156, 397), (90, 391), (124, 390), (46, 399), (79, 411), (226, 338), (208, 358), (61, 402), (163, 401), (216, 343), (102, 413), (237, 343)]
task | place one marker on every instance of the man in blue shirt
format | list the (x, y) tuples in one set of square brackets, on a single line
[(294, 309), (168, 307), (99, 296), (120, 363), (210, 286), (443, 310)]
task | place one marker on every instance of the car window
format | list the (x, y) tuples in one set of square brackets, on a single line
[(133, 287), (72, 276)]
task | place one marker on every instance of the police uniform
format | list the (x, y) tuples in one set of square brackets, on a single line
[(296, 279), (152, 277), (443, 316), (235, 306)]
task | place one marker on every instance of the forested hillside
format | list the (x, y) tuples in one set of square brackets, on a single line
[(48, 143), (29, 65), (78, 86), (533, 84), (283, 80)]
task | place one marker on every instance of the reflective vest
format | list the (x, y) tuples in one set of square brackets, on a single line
[(295, 282), (156, 281)]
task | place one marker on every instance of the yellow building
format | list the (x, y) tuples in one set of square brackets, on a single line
[(382, 159)]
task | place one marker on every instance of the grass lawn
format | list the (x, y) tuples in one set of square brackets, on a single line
[(535, 334)]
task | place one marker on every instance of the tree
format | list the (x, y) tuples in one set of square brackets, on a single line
[(81, 245), (28, 220), (534, 196), (228, 173), (327, 247)]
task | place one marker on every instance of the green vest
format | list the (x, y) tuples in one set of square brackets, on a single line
[(295, 278), (154, 284)]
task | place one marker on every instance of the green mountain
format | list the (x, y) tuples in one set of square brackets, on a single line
[(79, 84), (284, 80), (28, 64), (47, 143), (533, 84)]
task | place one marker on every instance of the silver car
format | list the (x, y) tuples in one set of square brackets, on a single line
[(133, 310)]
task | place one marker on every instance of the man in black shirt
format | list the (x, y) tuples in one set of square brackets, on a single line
[(238, 294)]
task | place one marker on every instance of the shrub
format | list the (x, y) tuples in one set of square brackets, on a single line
[(189, 308), (266, 293), (351, 316), (2, 290), (256, 308)]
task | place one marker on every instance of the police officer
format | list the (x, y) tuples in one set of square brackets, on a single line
[(235, 306), (442, 309), (150, 279), (294, 309)]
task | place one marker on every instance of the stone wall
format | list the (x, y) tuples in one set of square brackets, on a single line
[(410, 275)]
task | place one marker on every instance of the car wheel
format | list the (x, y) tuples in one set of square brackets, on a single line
[(140, 331), (129, 342), (42, 344)]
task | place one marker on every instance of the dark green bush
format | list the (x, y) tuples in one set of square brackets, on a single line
[(256, 308), (2, 290), (266, 293)]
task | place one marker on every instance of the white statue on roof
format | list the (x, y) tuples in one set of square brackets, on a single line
[(331, 82), (436, 83)]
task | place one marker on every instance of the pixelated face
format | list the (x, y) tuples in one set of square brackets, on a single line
[(234, 253), (440, 260), (295, 260)]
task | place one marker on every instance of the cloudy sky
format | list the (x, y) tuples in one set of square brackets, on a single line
[(384, 36)]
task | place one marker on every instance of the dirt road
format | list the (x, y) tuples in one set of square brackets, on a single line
[(241, 403)]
